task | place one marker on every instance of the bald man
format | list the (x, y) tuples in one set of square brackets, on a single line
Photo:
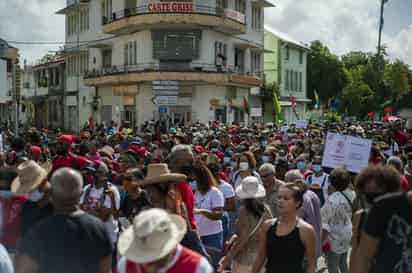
[(70, 240)]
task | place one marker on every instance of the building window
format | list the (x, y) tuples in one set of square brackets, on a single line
[(300, 81), (287, 53), (220, 54), (296, 81), (257, 18), (84, 19), (240, 6), (221, 4), (130, 53), (107, 11), (300, 57), (287, 80), (256, 62)]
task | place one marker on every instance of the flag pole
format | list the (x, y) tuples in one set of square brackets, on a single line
[(381, 26)]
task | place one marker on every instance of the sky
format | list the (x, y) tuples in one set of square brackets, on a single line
[(343, 25)]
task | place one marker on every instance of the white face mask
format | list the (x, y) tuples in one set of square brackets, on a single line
[(36, 196), (243, 166)]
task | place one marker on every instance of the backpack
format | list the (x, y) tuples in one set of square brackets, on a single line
[(102, 197), (318, 191)]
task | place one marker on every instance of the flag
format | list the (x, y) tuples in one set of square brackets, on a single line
[(246, 106), (293, 101), (316, 100), (387, 109), (276, 103), (231, 105), (386, 103)]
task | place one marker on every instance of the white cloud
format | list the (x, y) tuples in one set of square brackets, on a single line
[(343, 25), (32, 20)]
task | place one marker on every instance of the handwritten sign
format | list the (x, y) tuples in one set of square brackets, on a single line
[(346, 151)]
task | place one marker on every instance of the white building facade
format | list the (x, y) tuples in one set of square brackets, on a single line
[(177, 61)]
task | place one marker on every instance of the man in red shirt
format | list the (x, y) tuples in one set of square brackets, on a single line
[(10, 210), (152, 244), (65, 158), (181, 161)]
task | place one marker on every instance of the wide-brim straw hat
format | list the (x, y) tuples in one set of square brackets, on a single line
[(250, 188), (160, 173), (153, 235), (29, 177)]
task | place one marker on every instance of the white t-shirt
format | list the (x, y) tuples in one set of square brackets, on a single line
[(226, 189), (212, 199), (93, 200), (319, 181)]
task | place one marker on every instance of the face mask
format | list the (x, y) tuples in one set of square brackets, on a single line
[(371, 196), (317, 168), (265, 159), (244, 166), (214, 150), (193, 185), (229, 152), (227, 159), (264, 143), (300, 165), (36, 196), (6, 194), (233, 164)]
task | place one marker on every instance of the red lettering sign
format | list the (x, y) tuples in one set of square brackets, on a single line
[(177, 7)]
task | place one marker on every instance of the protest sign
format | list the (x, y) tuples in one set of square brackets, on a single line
[(301, 124), (346, 151)]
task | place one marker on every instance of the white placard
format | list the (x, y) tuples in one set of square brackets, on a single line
[(301, 124), (255, 112), (346, 151), (284, 129)]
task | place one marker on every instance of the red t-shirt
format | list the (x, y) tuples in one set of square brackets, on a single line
[(11, 222), (401, 138), (188, 199), (69, 161), (404, 183)]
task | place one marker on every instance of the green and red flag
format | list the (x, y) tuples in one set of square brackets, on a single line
[(387, 106), (231, 105), (246, 106)]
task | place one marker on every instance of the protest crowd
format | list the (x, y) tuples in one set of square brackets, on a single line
[(208, 198)]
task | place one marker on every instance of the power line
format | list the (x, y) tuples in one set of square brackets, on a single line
[(59, 43)]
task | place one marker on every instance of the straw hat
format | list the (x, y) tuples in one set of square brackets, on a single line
[(250, 188), (107, 150), (153, 234), (160, 173), (29, 176)]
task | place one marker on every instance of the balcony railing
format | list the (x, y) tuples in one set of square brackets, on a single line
[(173, 8), (163, 67)]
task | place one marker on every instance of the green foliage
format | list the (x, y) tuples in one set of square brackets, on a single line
[(361, 80)]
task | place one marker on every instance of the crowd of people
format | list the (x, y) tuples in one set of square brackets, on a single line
[(205, 198)]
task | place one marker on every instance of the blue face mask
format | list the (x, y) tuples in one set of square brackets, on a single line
[(193, 185), (264, 144), (214, 150), (233, 164), (6, 194), (265, 159), (300, 165), (227, 159), (317, 168)]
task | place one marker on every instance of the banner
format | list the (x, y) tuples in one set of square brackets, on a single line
[(301, 124), (346, 151)]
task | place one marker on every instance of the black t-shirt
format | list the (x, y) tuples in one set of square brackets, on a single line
[(32, 214), (390, 221), (67, 244)]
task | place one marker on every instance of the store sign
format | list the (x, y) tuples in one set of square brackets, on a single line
[(166, 100), (178, 7), (235, 15), (256, 112)]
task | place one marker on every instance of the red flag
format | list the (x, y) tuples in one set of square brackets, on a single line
[(371, 115), (387, 109), (293, 100), (245, 106), (231, 105)]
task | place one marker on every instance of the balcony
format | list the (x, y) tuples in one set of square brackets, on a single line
[(193, 72), (172, 13)]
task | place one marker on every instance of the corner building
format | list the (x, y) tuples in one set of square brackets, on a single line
[(177, 61)]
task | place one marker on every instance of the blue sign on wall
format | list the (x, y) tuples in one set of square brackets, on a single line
[(162, 109)]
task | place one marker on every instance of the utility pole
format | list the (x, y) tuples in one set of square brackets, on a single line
[(15, 103), (381, 26)]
